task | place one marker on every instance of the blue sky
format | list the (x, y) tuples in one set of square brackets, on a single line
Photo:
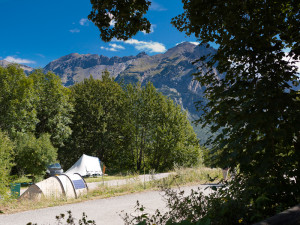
[(35, 32)]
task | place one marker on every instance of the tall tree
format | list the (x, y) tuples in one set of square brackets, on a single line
[(255, 100), (17, 111), (53, 106), (97, 120), (162, 133)]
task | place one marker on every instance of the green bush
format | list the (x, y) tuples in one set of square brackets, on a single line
[(33, 155)]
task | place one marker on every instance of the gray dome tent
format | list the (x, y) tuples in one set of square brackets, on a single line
[(65, 185)]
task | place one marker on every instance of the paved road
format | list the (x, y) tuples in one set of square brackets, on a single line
[(103, 211)]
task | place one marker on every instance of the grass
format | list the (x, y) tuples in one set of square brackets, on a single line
[(178, 177), (107, 178)]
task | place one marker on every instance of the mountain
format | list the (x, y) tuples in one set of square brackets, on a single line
[(170, 72), (26, 69)]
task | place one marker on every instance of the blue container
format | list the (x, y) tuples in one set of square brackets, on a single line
[(15, 189)]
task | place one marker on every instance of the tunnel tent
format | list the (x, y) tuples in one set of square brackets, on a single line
[(86, 166), (69, 186)]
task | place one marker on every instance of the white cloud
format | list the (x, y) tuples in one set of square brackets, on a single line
[(18, 60), (157, 7), (74, 30), (116, 46), (147, 46), (151, 29), (84, 22), (108, 49), (113, 47)]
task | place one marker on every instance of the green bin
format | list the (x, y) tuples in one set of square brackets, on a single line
[(15, 189)]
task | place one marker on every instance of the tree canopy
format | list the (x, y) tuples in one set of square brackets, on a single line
[(53, 106)]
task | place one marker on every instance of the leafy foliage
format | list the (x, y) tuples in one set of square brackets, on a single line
[(234, 203), (162, 133), (6, 161), (17, 111), (119, 18), (69, 219), (255, 100), (33, 155), (53, 107)]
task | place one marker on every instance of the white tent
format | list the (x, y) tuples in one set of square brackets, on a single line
[(86, 166)]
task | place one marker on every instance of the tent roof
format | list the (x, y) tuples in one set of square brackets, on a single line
[(86, 166)]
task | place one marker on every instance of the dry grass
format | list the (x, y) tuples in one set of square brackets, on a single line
[(179, 177), (107, 178)]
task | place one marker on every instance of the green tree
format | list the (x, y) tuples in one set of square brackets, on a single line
[(255, 99), (97, 122), (33, 155), (17, 111), (6, 161), (162, 133), (53, 107)]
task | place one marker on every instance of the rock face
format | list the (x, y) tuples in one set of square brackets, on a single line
[(171, 72), (26, 69)]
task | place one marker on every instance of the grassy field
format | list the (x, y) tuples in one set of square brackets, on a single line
[(178, 177)]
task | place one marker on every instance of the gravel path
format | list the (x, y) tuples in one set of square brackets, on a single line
[(103, 211)]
